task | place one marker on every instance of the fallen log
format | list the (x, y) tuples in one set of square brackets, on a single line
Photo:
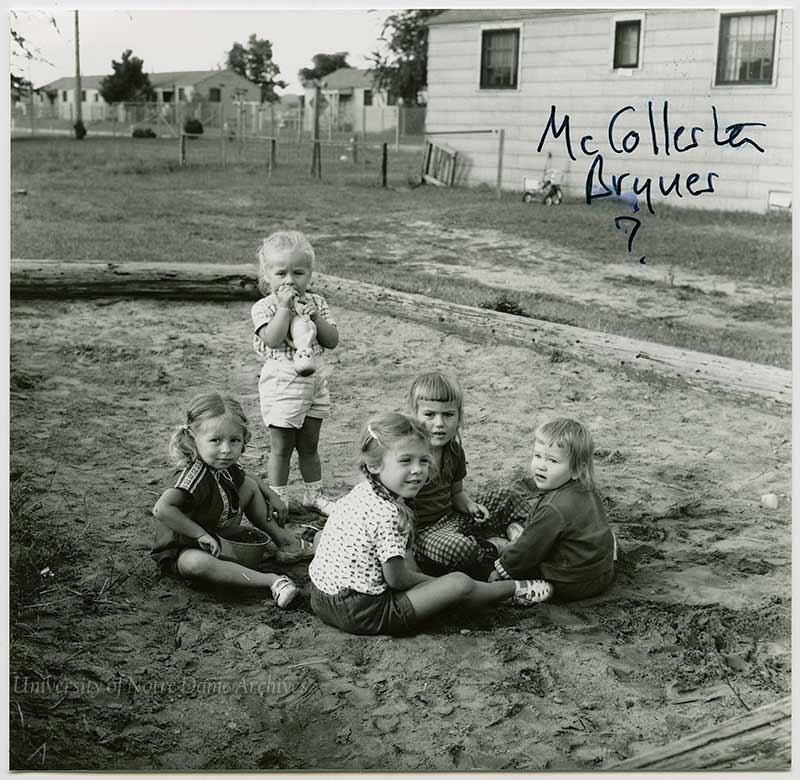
[(755, 741), (213, 282)]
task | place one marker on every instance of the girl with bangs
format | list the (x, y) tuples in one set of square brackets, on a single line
[(453, 531)]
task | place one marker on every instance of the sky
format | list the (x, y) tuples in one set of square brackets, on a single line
[(196, 39)]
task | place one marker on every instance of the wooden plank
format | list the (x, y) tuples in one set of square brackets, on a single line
[(210, 281), (433, 180), (759, 740)]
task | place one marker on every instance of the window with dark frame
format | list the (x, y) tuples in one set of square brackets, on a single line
[(499, 59), (63, 96), (181, 93), (83, 96), (626, 44), (367, 97), (746, 50)]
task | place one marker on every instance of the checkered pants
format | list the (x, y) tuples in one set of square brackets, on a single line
[(458, 543)]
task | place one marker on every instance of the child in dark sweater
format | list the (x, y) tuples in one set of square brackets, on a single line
[(567, 540)]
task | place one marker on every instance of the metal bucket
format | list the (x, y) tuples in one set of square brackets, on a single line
[(243, 544)]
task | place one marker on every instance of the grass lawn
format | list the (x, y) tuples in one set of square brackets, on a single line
[(124, 199)]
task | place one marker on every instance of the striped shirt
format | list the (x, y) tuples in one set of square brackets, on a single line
[(265, 309)]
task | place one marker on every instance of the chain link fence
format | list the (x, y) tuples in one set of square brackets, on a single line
[(400, 125), (141, 135)]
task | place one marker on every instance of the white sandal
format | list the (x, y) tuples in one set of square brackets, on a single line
[(530, 592), (284, 591)]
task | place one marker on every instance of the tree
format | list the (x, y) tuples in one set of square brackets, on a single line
[(21, 47), (323, 65), (256, 65), (128, 82), (404, 70)]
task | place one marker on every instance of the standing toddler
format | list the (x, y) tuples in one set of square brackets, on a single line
[(293, 406)]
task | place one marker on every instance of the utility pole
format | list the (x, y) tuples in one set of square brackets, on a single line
[(80, 130), (316, 154)]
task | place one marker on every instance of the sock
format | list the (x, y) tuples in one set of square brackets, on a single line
[(282, 491), (312, 488)]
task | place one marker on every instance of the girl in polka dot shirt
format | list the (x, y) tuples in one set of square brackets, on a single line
[(364, 579)]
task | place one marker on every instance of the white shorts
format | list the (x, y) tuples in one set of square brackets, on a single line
[(288, 398)]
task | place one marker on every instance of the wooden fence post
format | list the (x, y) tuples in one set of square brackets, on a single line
[(273, 153), (384, 162), (183, 148), (354, 149), (500, 139), (221, 135)]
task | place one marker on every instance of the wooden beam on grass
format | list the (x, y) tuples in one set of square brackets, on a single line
[(759, 740), (213, 282)]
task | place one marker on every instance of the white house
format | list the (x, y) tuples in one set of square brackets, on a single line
[(224, 87), (696, 103), (352, 101)]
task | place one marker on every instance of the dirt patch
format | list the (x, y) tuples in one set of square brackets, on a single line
[(496, 259), (125, 671)]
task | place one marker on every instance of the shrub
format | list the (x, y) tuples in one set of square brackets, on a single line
[(506, 305), (143, 132), (80, 130), (193, 127)]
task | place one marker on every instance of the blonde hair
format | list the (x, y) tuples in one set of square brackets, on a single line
[(204, 407), (437, 386), (379, 435), (279, 243), (575, 438)]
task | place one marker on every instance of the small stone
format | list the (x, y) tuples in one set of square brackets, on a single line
[(465, 631), (770, 501)]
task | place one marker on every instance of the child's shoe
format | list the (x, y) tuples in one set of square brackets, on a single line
[(318, 502), (499, 542), (530, 592), (514, 531), (284, 591)]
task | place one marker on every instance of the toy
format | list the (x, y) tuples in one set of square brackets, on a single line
[(303, 334), (548, 189)]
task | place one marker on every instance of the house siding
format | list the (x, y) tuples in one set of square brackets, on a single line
[(566, 61)]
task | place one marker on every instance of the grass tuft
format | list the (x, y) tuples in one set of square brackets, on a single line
[(506, 305)]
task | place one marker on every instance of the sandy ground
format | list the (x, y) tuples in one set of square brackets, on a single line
[(167, 677)]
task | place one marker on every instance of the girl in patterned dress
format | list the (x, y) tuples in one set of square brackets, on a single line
[(364, 579), (210, 493)]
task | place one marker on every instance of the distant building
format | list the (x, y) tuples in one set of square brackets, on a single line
[(351, 101), (223, 87), (644, 78)]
